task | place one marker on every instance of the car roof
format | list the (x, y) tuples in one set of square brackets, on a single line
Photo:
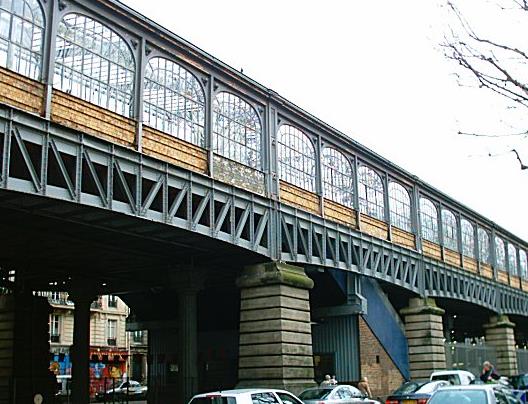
[(451, 372), (240, 391), (470, 387)]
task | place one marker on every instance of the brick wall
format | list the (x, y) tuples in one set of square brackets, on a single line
[(383, 375)]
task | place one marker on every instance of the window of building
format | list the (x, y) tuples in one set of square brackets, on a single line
[(449, 230), (55, 326), (500, 253), (484, 245), (370, 192), (468, 238), (137, 336), (21, 37), (338, 181), (55, 296), (112, 301), (523, 264), (400, 206), (512, 259), (112, 332), (428, 220), (94, 63), (174, 101), (236, 130), (296, 158)]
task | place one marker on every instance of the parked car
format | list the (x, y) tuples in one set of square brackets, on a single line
[(455, 377), (474, 394), (341, 394), (415, 392), (246, 396), (129, 388)]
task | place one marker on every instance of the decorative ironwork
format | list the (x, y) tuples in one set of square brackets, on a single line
[(484, 246), (500, 254), (370, 191), (468, 238), (21, 37), (296, 158), (94, 63), (512, 259), (338, 184), (236, 130), (523, 264), (174, 101), (449, 230), (400, 206), (428, 220)]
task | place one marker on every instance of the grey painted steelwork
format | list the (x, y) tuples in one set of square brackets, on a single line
[(127, 182)]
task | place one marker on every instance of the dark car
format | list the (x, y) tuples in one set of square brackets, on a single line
[(415, 392)]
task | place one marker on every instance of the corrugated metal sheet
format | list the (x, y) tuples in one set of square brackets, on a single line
[(340, 336)]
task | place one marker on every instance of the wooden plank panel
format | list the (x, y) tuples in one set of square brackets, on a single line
[(470, 264), (173, 150), (88, 118), (403, 238), (374, 227), (431, 249), (21, 92), (451, 257), (340, 213), (524, 284), (515, 282), (300, 198), (486, 270), (502, 276)]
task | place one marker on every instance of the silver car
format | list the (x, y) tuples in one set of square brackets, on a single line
[(342, 394)]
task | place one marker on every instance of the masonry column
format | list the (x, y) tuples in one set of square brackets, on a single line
[(500, 335), (425, 337), (80, 353), (275, 333)]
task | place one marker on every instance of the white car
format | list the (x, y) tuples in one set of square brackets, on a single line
[(246, 396), (455, 377), (474, 394)]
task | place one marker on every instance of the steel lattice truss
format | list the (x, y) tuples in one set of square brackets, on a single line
[(97, 173)]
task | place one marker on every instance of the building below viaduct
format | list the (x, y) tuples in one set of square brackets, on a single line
[(256, 244)]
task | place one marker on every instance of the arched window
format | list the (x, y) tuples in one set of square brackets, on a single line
[(468, 239), (484, 246), (174, 101), (337, 177), (21, 36), (500, 253), (236, 130), (370, 193), (400, 206), (94, 63), (428, 220), (512, 259), (523, 264), (449, 229), (296, 158)]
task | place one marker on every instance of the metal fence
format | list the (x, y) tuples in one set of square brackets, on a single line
[(469, 356), (522, 360)]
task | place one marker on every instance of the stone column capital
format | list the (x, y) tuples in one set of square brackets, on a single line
[(418, 305), (500, 321), (273, 273)]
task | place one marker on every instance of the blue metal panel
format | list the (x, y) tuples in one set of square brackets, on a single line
[(383, 321), (339, 335)]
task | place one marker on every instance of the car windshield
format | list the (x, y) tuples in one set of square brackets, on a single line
[(408, 388), (315, 394), (213, 400), (520, 381), (459, 397)]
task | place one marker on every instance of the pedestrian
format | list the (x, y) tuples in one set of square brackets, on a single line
[(327, 381), (333, 381), (364, 387), (488, 375)]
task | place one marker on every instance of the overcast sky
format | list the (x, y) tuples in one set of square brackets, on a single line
[(373, 70)]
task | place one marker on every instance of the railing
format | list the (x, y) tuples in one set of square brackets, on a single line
[(522, 360), (468, 356)]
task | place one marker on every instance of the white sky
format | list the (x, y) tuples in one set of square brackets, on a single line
[(372, 70)]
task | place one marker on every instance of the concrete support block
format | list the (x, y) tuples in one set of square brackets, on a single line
[(275, 347), (425, 337), (500, 334)]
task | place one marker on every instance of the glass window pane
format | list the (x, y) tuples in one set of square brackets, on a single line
[(449, 229), (400, 206), (468, 239), (296, 158), (428, 220), (337, 177), (500, 254), (512, 259), (484, 246), (370, 192)]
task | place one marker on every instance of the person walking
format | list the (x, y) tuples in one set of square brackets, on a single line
[(327, 381), (364, 387)]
